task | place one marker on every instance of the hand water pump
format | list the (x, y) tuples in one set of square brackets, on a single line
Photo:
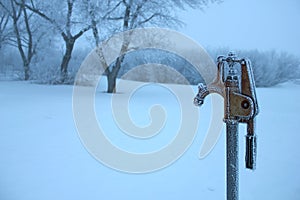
[(235, 82)]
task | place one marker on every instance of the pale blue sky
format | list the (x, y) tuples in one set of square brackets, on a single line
[(247, 24)]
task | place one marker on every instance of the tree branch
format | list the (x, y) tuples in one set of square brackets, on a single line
[(80, 33), (69, 16), (136, 13), (29, 33), (112, 10), (115, 18), (4, 22), (43, 15), (6, 9), (148, 19)]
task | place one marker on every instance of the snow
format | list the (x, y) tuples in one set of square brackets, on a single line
[(42, 157)]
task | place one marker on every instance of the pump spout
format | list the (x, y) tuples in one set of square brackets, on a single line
[(217, 86), (202, 93)]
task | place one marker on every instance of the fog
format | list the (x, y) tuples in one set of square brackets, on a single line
[(246, 24)]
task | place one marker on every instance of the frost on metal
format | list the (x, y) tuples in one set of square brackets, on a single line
[(235, 82)]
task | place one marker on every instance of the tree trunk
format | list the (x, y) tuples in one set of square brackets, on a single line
[(26, 71), (66, 59), (95, 32), (112, 75), (111, 83)]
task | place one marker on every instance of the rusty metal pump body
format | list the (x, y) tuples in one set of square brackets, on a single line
[(240, 101)]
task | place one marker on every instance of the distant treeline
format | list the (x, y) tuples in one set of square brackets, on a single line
[(152, 65)]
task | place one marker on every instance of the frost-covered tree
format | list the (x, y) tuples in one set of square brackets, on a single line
[(288, 67), (125, 15), (24, 27), (65, 17), (4, 32)]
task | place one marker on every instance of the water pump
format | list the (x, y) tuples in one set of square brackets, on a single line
[(235, 82)]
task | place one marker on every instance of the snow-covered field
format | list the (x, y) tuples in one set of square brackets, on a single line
[(42, 157)]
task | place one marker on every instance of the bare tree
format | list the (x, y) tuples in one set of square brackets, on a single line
[(129, 14), (4, 33), (23, 32), (65, 28)]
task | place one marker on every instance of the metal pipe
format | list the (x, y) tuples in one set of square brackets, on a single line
[(232, 161)]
